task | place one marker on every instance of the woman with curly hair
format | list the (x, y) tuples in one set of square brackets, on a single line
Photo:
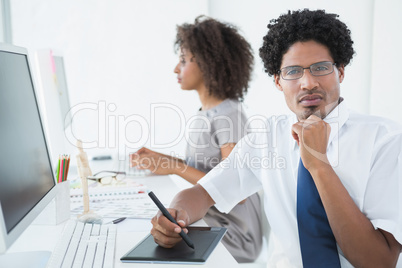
[(216, 62)]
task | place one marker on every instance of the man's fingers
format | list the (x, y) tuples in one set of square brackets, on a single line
[(314, 117), (296, 131), (311, 121), (166, 233), (163, 240), (164, 225), (182, 218)]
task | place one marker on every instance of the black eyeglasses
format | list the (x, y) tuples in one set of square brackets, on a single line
[(316, 69), (107, 177)]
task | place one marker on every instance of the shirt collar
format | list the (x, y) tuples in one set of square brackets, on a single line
[(336, 119)]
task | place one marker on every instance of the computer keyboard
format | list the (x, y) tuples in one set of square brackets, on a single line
[(85, 245)]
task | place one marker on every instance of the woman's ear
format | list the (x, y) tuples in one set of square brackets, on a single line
[(278, 81)]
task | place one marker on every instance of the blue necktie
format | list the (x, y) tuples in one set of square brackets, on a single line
[(317, 242)]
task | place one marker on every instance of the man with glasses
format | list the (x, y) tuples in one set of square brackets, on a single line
[(335, 200)]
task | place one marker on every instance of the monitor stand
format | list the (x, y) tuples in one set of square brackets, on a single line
[(32, 259)]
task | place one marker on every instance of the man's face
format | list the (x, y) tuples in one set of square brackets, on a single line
[(310, 94)]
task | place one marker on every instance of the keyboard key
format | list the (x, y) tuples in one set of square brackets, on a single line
[(90, 255), (95, 229), (100, 253), (80, 254), (110, 246)]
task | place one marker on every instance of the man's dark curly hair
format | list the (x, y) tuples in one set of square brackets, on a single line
[(224, 57), (305, 25)]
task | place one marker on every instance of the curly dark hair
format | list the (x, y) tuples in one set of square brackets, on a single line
[(224, 57), (305, 25)]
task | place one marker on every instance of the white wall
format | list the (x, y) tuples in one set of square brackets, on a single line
[(386, 93), (121, 53), (117, 53)]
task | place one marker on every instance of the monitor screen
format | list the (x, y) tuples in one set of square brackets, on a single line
[(25, 169)]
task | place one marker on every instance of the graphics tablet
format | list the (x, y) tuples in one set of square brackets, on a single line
[(205, 240)]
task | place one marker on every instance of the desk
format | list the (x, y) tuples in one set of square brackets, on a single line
[(129, 232)]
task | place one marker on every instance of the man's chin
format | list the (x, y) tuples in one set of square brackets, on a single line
[(311, 111)]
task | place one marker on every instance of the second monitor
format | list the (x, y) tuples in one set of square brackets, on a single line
[(55, 101)]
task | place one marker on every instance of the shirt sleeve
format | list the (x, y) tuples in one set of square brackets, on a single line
[(383, 197), (232, 180), (229, 128)]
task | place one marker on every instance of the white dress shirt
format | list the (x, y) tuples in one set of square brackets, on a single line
[(365, 152)]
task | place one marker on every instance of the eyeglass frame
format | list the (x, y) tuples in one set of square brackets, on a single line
[(309, 67), (94, 178)]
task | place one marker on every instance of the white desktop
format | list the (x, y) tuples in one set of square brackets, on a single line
[(129, 231), (27, 183)]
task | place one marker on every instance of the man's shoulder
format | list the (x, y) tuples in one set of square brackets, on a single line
[(359, 119), (383, 128)]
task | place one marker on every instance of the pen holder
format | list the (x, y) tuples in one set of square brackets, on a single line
[(58, 210)]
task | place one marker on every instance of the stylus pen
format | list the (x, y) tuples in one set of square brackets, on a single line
[(170, 218), (116, 221)]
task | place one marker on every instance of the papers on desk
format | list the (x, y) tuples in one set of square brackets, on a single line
[(127, 199)]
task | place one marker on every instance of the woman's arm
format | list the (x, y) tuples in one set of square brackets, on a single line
[(162, 164), (157, 163), (193, 175)]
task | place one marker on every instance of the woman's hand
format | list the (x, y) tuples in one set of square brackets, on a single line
[(157, 163)]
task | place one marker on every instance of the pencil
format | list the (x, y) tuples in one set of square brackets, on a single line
[(58, 169), (61, 170), (64, 168), (68, 165)]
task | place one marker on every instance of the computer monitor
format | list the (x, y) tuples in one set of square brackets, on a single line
[(61, 83), (54, 99), (27, 183)]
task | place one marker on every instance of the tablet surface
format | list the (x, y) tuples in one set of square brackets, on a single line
[(205, 240)]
